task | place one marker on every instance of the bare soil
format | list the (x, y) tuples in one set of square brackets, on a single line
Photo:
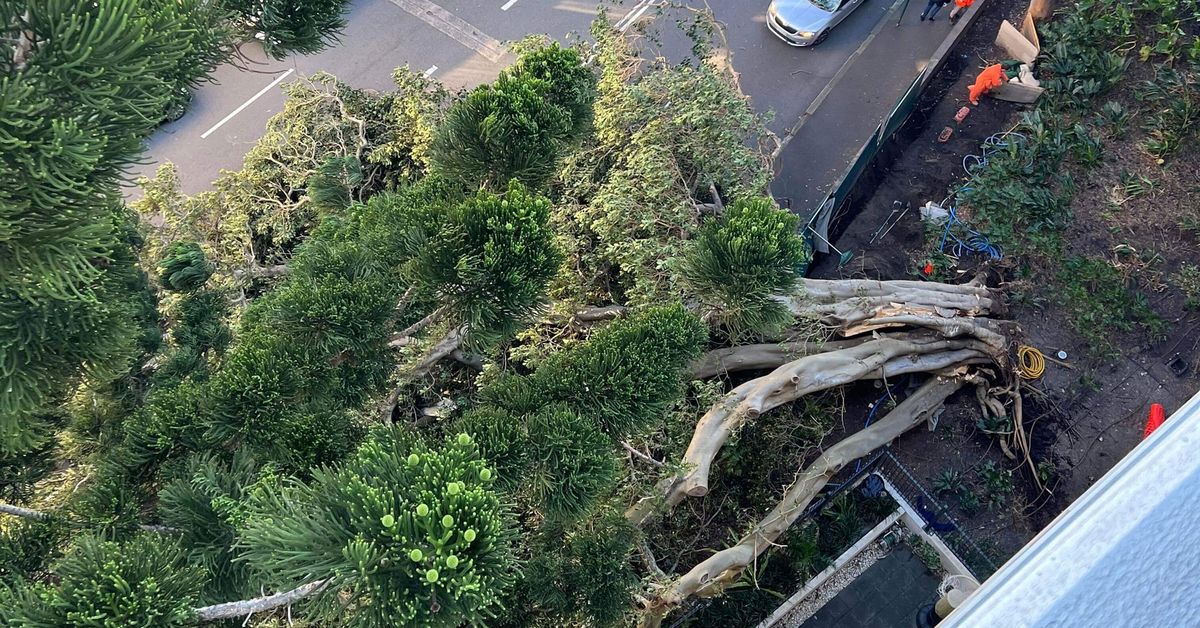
[(1086, 414)]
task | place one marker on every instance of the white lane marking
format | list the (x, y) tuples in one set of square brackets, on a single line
[(253, 98), (428, 73), (454, 27), (508, 5), (634, 15)]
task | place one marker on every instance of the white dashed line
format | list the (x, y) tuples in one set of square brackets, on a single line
[(634, 15), (253, 98), (508, 5), (454, 27), (428, 73)]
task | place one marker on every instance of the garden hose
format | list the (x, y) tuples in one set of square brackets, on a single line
[(1031, 364)]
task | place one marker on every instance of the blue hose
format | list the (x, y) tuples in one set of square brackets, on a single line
[(975, 242)]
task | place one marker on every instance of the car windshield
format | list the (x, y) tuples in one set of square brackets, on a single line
[(827, 5)]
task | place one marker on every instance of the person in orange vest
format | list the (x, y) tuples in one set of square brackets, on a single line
[(960, 7), (992, 77)]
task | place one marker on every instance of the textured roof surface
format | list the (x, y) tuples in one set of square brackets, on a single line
[(1126, 553)]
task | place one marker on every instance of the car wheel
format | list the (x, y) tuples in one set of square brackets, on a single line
[(821, 37)]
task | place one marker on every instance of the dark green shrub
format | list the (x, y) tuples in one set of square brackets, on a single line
[(739, 262), (184, 267), (583, 575)]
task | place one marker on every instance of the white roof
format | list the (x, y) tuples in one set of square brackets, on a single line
[(1126, 553)]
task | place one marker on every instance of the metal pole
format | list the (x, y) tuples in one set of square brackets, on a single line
[(903, 8)]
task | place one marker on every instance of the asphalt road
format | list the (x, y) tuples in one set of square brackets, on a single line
[(460, 43)]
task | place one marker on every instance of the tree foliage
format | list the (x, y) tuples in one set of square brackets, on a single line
[(519, 126), (738, 263), (146, 581), (407, 534), (291, 26)]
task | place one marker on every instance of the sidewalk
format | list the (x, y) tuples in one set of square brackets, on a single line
[(835, 128)]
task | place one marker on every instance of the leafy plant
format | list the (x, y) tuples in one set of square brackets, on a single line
[(997, 484), (1188, 281), (1099, 304), (948, 482), (925, 553)]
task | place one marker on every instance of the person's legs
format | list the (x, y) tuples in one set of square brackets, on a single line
[(936, 7), (931, 8)]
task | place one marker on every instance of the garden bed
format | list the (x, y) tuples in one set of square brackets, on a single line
[(1105, 273)]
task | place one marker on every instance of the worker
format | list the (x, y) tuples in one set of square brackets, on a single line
[(932, 8), (992, 77), (960, 7)]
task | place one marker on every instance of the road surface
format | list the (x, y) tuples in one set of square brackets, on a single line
[(461, 43)]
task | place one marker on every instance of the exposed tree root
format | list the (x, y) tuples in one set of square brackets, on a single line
[(711, 576)]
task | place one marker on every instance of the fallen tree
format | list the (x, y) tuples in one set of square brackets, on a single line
[(711, 576)]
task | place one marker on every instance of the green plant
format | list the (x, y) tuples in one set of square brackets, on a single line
[(997, 484), (290, 26), (1086, 146), (406, 534), (584, 574), (1099, 304), (1174, 111), (997, 425), (624, 377), (183, 267), (1113, 118), (925, 553), (948, 482), (1188, 281), (146, 581), (738, 263)]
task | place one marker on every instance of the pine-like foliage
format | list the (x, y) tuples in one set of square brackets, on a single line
[(738, 263), (489, 262), (407, 535), (184, 267), (517, 127), (557, 461), (583, 575), (287, 26), (85, 83), (207, 504), (144, 582), (624, 377), (569, 83)]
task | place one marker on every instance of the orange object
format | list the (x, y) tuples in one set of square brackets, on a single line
[(944, 136), (990, 78), (963, 3), (928, 268), (1156, 419), (962, 114)]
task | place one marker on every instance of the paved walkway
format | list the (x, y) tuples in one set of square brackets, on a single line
[(835, 127), (886, 595)]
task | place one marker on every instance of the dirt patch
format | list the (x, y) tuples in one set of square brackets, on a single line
[(1086, 414)]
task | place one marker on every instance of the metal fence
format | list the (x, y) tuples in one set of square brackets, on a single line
[(956, 538)]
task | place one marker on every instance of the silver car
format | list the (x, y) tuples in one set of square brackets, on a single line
[(807, 22)]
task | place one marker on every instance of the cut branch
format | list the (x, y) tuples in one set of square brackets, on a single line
[(398, 338), (242, 608), (261, 272), (29, 513), (880, 358), (761, 356), (600, 313), (725, 567)]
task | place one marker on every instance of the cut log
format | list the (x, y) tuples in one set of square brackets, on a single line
[(724, 567), (760, 356), (843, 303)]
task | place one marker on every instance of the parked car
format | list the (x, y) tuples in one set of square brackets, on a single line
[(807, 22)]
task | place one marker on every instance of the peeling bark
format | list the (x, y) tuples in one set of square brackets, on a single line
[(29, 513), (723, 568), (843, 303)]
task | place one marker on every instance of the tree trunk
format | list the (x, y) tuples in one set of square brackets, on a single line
[(725, 567), (242, 608), (843, 303), (600, 313), (1041, 9), (880, 358), (29, 513)]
